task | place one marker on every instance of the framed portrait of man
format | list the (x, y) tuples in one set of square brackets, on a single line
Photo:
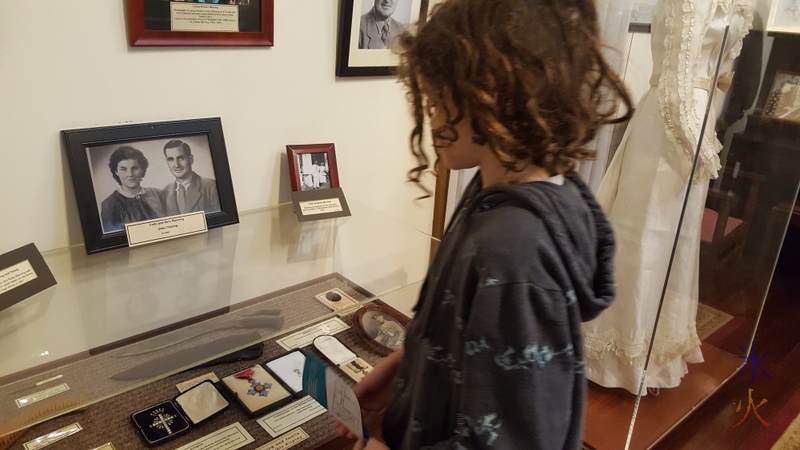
[(133, 173), (200, 22), (369, 31)]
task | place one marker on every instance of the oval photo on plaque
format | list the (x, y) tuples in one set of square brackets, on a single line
[(381, 328)]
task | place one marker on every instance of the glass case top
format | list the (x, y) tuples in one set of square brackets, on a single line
[(122, 319)]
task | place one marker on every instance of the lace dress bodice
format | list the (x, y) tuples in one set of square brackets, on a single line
[(686, 41)]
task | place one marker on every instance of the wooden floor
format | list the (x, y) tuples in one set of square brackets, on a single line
[(674, 416), (712, 425), (610, 410)]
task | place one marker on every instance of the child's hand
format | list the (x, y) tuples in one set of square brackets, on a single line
[(374, 393)]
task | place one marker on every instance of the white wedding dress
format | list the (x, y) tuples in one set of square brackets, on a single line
[(643, 192)]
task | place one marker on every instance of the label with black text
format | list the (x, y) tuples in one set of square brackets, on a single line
[(158, 230), (194, 17), (324, 206), (47, 439), (16, 276), (229, 438), (293, 415), (288, 440), (41, 395)]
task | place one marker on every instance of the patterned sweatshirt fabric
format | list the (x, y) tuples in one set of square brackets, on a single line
[(494, 357)]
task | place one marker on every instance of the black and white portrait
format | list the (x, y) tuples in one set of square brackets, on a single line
[(382, 21), (384, 329), (151, 179), (315, 172)]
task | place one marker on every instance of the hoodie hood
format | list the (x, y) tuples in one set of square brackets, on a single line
[(578, 227)]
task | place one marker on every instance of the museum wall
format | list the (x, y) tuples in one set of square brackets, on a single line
[(66, 65)]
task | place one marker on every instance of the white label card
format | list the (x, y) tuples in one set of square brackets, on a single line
[(293, 415), (41, 395), (108, 446), (288, 440), (307, 336), (324, 206), (229, 438), (16, 276), (47, 439), (157, 230), (194, 17)]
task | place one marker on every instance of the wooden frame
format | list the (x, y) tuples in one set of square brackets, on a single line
[(352, 61), (370, 334), (301, 178), (150, 24), (92, 150)]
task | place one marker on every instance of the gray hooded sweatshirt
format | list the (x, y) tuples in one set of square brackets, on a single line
[(494, 355)]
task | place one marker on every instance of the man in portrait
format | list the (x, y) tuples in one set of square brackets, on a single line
[(189, 192), (378, 29)]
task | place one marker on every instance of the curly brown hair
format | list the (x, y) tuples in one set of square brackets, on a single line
[(529, 74)]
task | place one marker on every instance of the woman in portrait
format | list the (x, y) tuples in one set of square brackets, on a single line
[(130, 202)]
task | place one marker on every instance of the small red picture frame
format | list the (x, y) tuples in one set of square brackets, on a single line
[(312, 167), (150, 24)]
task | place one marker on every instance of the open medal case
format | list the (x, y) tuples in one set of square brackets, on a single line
[(342, 357), (257, 390), (289, 368), (169, 419)]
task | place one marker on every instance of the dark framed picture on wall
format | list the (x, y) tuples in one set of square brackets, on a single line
[(312, 167), (368, 31), (132, 173), (783, 102), (200, 22)]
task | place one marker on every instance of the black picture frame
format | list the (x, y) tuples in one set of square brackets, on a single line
[(345, 48), (79, 143)]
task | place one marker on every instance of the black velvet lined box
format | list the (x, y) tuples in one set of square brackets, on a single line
[(170, 419), (160, 423)]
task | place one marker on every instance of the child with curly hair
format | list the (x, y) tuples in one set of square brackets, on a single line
[(494, 357)]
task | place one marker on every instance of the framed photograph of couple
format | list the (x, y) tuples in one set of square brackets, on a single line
[(200, 22), (312, 167), (368, 32), (132, 173)]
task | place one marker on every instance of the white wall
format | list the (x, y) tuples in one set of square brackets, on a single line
[(66, 64)]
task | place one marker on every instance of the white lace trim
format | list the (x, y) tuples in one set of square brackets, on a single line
[(682, 50), (745, 9), (633, 352)]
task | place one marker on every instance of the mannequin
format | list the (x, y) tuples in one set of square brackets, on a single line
[(643, 192)]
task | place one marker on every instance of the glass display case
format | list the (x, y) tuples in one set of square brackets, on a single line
[(700, 188), (125, 323)]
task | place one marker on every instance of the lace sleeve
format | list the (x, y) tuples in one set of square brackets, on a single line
[(744, 9), (686, 23)]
